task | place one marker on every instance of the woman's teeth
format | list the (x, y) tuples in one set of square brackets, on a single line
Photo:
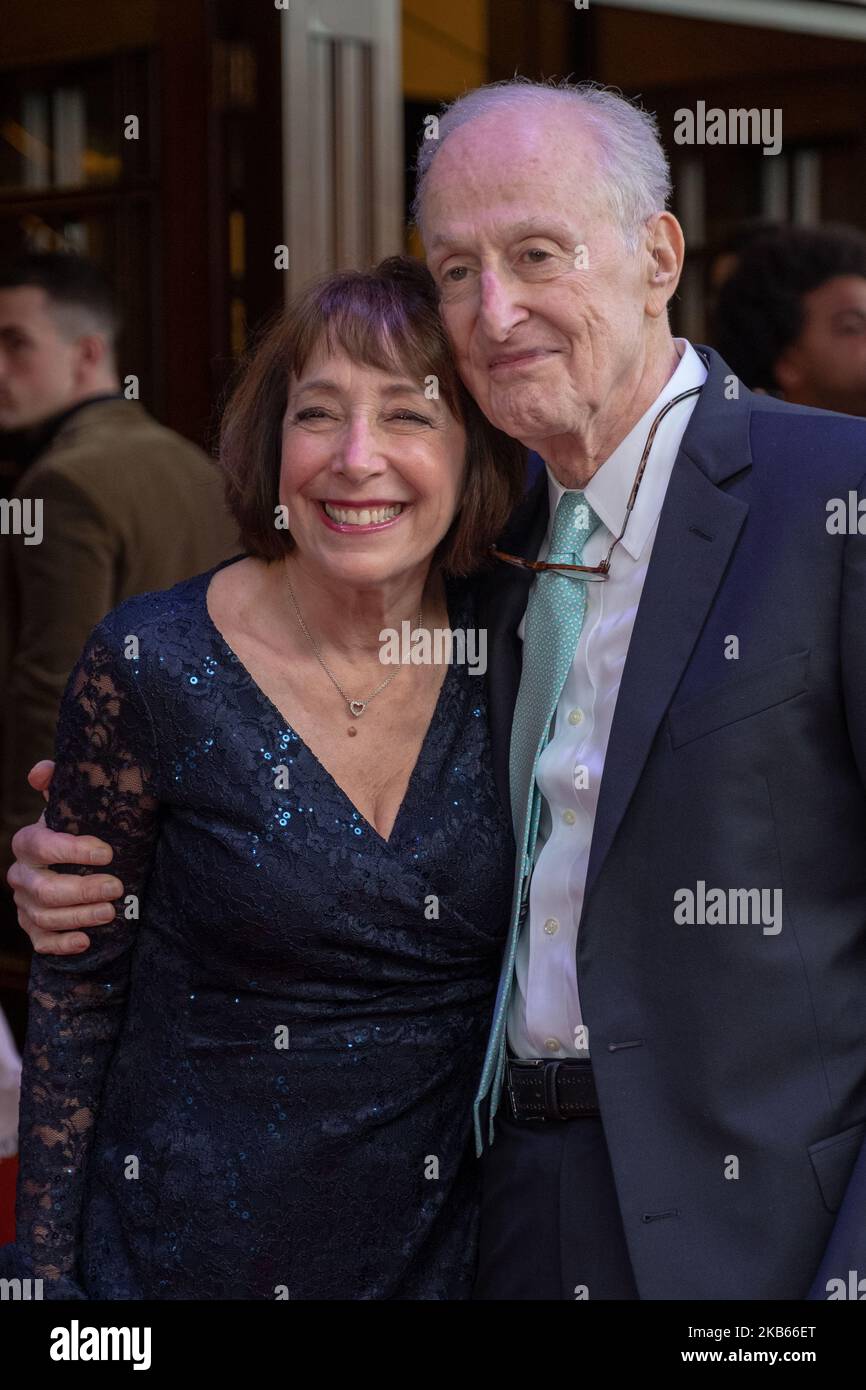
[(367, 516)]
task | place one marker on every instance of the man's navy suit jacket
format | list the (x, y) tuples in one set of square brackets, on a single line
[(730, 1061)]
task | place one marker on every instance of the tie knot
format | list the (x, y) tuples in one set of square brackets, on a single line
[(573, 524)]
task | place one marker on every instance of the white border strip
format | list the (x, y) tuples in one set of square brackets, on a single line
[(799, 16)]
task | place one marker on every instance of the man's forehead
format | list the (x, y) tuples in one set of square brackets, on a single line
[(505, 225), (550, 174), (842, 290), (528, 127), (511, 141), (22, 302)]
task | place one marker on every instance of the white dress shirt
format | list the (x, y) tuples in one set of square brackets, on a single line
[(544, 1018)]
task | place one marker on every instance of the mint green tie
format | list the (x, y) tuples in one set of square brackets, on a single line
[(554, 618)]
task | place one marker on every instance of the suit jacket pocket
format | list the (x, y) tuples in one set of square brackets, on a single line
[(833, 1160), (739, 698)]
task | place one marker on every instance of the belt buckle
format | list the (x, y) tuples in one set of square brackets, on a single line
[(550, 1097), (528, 1063)]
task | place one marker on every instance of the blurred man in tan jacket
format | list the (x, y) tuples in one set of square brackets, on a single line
[(112, 504)]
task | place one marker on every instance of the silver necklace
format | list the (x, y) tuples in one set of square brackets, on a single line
[(356, 707)]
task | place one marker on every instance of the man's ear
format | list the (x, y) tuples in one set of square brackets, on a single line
[(665, 245), (92, 351), (788, 371)]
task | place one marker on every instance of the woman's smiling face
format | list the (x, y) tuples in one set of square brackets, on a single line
[(372, 471)]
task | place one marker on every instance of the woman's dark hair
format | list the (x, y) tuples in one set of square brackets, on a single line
[(386, 318)]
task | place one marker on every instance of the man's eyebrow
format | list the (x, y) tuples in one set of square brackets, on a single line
[(516, 231), (534, 226)]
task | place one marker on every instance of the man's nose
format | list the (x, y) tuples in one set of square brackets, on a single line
[(499, 311)]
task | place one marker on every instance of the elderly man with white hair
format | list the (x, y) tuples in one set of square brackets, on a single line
[(673, 1099), (674, 1095)]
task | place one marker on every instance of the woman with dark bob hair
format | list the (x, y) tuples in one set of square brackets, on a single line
[(257, 1081)]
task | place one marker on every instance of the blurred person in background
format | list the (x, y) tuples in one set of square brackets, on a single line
[(725, 259), (791, 318), (127, 505)]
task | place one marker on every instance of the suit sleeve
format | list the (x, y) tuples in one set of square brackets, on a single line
[(846, 1249), (105, 784)]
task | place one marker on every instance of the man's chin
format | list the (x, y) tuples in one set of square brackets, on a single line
[(529, 428), (528, 419)]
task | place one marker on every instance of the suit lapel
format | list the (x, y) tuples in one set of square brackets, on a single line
[(698, 529), (697, 532)]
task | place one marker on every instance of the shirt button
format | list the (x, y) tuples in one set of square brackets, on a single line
[(569, 817), (551, 926), (576, 716), (552, 1044)]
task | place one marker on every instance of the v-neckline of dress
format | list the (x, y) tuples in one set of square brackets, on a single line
[(268, 704)]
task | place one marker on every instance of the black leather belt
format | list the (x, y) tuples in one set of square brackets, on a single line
[(541, 1088)]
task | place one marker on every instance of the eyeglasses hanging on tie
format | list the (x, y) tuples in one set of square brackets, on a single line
[(602, 570)]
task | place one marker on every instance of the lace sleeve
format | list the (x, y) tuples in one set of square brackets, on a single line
[(104, 784)]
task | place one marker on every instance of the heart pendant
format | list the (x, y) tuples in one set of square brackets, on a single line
[(357, 707)]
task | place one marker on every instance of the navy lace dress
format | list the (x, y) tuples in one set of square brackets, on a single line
[(258, 1082)]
